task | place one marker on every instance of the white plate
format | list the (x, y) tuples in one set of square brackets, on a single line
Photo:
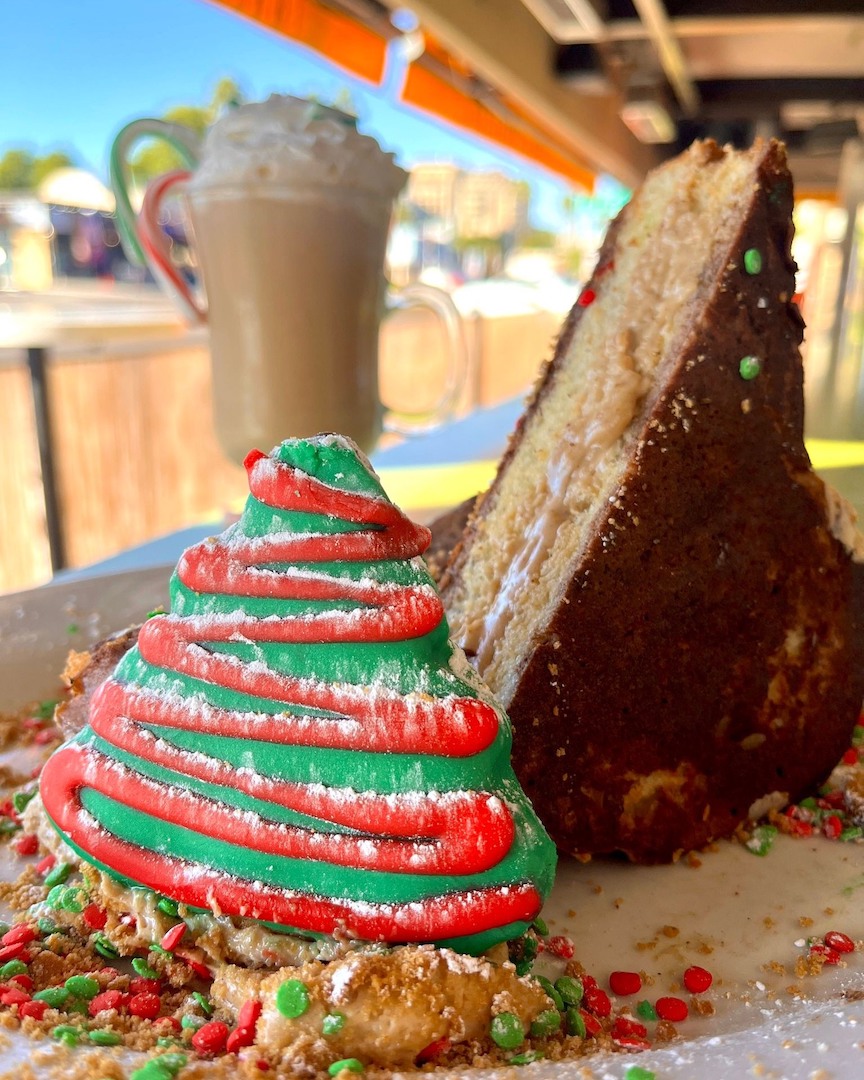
[(736, 914)]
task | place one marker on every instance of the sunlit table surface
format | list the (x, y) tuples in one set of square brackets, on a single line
[(458, 459)]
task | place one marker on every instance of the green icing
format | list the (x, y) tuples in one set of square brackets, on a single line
[(418, 665)]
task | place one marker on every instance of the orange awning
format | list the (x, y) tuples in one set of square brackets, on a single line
[(438, 84), (342, 38)]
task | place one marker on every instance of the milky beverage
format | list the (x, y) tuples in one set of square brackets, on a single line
[(291, 208)]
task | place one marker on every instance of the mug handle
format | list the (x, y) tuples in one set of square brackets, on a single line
[(444, 409), (155, 246), (185, 141)]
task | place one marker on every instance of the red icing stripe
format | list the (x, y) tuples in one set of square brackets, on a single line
[(453, 914), (452, 833), (455, 833)]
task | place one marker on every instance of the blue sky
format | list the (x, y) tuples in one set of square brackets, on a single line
[(76, 70)]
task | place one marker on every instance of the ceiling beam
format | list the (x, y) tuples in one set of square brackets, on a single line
[(653, 15), (502, 42)]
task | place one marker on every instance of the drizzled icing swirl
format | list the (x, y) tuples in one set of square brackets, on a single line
[(297, 741)]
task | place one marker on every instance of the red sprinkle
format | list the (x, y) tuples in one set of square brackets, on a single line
[(13, 952), (239, 1038), (625, 983), (433, 1050), (832, 826), (146, 1005), (24, 981), (851, 756), (697, 980), (108, 999), (14, 996), (47, 735), (631, 1042), (139, 985), (800, 828), (249, 1012), (829, 955), (22, 932), (210, 1038), (841, 943), (561, 946), (596, 1000), (262, 1065), (33, 1009), (95, 917), (592, 1024), (200, 969), (672, 1009), (45, 865), (26, 844), (169, 1022), (625, 1028), (586, 298), (173, 937)]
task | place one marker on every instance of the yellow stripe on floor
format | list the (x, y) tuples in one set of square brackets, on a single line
[(432, 487), (835, 453)]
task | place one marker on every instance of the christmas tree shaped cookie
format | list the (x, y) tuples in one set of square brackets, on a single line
[(298, 741)]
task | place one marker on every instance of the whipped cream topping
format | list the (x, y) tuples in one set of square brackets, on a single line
[(288, 140)]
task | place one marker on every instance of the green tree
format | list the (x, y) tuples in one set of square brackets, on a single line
[(156, 156), (16, 170), (22, 171), (44, 166)]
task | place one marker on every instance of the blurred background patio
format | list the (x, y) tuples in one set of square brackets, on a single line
[(564, 104)]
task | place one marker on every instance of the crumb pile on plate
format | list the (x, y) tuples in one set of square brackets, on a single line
[(662, 593)]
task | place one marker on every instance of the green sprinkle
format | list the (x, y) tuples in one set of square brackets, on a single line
[(141, 967), (4, 928), (155, 611), (540, 926), (46, 927), (168, 907), (646, 1011), (858, 735), (762, 839), (853, 832), (72, 628), (78, 1005), (58, 874), (749, 367), (172, 1062), (551, 992), (752, 260), (55, 896), (575, 1023), (153, 1070), (82, 986), (546, 1023), (190, 1021), (292, 1000), (45, 709), (105, 1038), (12, 967), (332, 1023), (571, 990), (8, 827), (525, 1059), (67, 1034), (809, 803), (636, 1072), (153, 947), (523, 967), (104, 947), (53, 996), (352, 1064), (506, 1031), (164, 1041), (20, 800), (204, 1004)]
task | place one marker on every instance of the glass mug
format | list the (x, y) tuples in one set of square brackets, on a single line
[(292, 260)]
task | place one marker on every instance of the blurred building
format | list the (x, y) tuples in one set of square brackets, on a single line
[(478, 204)]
